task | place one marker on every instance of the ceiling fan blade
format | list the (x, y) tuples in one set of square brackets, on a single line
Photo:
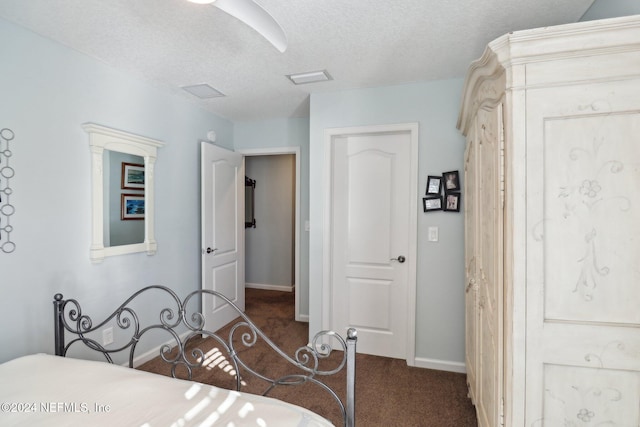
[(257, 18)]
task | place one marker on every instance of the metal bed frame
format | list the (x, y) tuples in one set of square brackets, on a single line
[(69, 319)]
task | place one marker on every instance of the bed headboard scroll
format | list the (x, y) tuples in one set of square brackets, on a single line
[(184, 328)]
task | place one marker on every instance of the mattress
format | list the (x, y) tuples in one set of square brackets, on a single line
[(45, 390)]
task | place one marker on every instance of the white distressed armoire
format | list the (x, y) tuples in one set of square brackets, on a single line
[(552, 216)]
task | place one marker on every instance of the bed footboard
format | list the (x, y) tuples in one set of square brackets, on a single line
[(185, 329)]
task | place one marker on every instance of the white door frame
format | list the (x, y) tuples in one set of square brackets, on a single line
[(329, 136), (296, 250)]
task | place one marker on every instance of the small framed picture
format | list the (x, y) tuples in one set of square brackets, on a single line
[(432, 203), (451, 181), (132, 176), (452, 202), (132, 206), (434, 185)]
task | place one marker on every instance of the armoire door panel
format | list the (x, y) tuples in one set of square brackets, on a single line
[(471, 344), (470, 184), (488, 197), (590, 397), (619, 350), (488, 374), (489, 253), (583, 204), (592, 204)]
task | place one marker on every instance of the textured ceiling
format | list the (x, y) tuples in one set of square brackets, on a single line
[(361, 43)]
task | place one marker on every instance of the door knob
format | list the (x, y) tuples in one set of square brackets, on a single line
[(400, 259), (210, 251)]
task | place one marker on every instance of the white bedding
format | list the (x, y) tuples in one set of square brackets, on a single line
[(44, 390)]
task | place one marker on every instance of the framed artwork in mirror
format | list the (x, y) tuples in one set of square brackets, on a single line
[(431, 203), (132, 206), (132, 176), (451, 181), (434, 185)]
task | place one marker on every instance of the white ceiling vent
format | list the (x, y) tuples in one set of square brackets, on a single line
[(203, 91), (309, 77)]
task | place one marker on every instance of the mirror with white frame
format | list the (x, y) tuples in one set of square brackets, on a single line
[(122, 196)]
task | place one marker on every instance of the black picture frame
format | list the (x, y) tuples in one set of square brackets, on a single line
[(451, 202), (432, 203), (249, 202), (434, 185), (451, 181)]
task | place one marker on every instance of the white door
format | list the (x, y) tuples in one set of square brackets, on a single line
[(222, 186), (373, 217)]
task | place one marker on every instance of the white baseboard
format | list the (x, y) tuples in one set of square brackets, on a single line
[(282, 288), (441, 365), (303, 318)]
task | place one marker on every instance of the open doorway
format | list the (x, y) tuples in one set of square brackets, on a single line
[(272, 247)]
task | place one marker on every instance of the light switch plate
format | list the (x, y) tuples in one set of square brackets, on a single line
[(107, 336), (433, 234)]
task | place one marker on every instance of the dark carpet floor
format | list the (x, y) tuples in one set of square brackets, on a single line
[(388, 392)]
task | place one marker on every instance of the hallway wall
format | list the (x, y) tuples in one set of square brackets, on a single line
[(270, 257)]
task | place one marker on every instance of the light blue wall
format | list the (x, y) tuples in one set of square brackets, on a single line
[(270, 246), (279, 133), (440, 265), (47, 92), (601, 9)]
